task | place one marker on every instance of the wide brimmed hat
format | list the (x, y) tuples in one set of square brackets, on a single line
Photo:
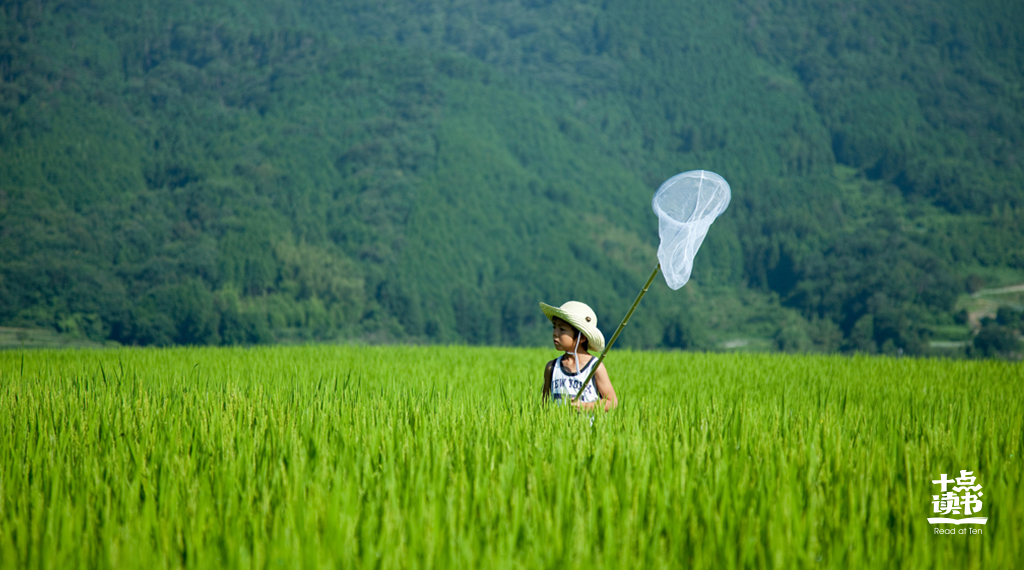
[(581, 316)]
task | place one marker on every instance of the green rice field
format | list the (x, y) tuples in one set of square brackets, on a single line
[(444, 457)]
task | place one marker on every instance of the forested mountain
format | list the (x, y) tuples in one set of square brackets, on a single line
[(228, 172)]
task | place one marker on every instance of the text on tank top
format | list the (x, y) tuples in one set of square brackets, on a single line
[(566, 385)]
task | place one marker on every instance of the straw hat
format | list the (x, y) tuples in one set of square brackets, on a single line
[(581, 316)]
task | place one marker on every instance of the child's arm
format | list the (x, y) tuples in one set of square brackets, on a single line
[(604, 387), (546, 394)]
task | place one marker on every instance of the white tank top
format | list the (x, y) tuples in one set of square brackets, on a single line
[(565, 385)]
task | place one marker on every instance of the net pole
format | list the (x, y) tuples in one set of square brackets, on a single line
[(622, 325)]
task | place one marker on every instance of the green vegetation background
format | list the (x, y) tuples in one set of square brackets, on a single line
[(231, 173)]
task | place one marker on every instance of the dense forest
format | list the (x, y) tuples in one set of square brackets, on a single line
[(230, 172)]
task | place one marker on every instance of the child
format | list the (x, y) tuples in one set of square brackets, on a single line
[(575, 333)]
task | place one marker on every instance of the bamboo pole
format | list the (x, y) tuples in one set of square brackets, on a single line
[(622, 325)]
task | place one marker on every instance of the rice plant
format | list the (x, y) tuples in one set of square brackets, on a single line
[(417, 457)]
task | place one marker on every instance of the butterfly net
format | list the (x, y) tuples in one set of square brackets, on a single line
[(686, 204)]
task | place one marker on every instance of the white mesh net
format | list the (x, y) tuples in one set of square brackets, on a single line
[(686, 204)]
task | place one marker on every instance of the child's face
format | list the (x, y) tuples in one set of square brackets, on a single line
[(564, 335)]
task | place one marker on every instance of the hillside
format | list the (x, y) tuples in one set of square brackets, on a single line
[(232, 172)]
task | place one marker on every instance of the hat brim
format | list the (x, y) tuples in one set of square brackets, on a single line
[(593, 334)]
